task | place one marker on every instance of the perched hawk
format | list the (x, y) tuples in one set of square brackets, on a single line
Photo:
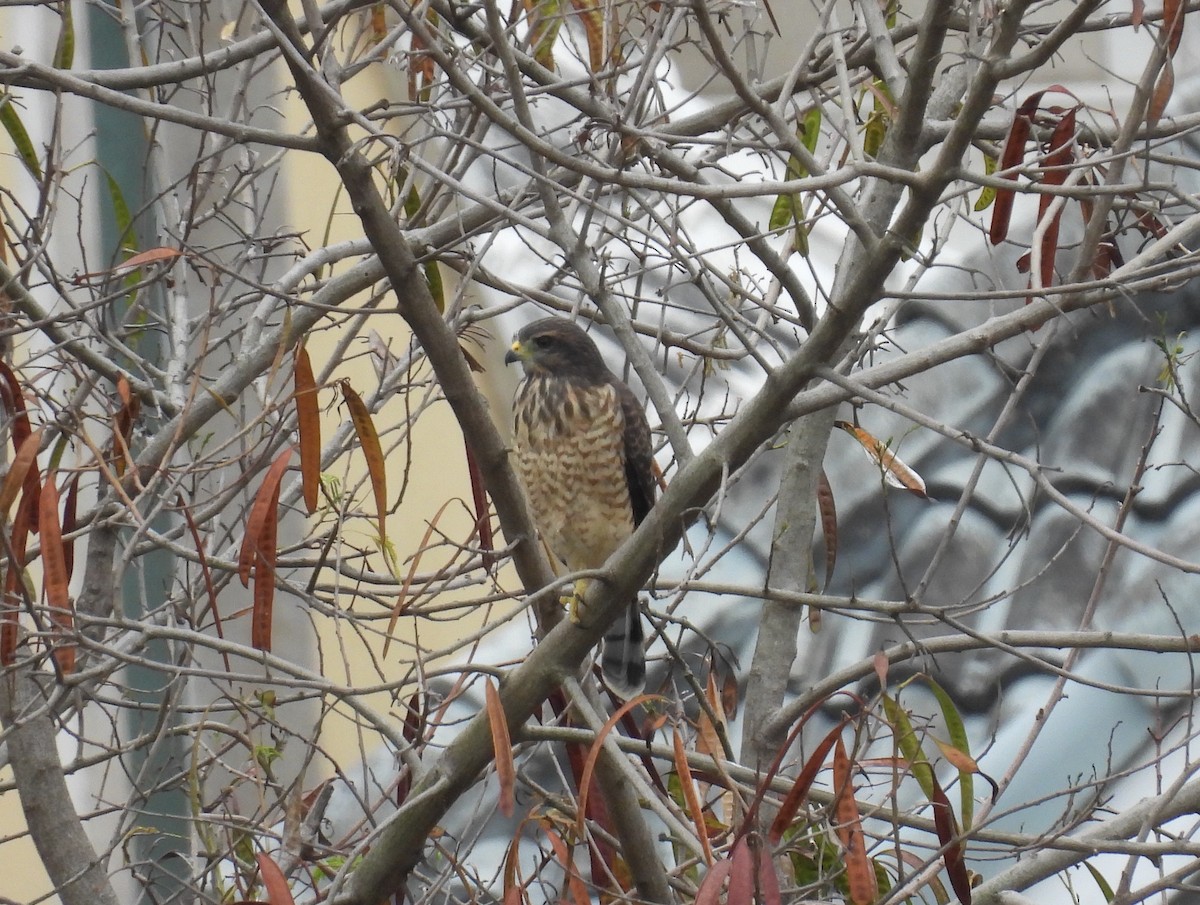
[(583, 453)]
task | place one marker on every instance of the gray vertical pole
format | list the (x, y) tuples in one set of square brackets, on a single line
[(158, 771)]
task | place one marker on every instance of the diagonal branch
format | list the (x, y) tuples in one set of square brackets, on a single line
[(78, 874)]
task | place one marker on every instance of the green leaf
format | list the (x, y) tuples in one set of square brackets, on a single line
[(789, 209), (56, 454), (875, 132), (124, 220), (783, 214), (433, 277), (819, 861), (988, 194), (412, 204), (266, 755), (958, 738), (1105, 889), (910, 745), (547, 19), (64, 53), (812, 129), (879, 120), (20, 138)]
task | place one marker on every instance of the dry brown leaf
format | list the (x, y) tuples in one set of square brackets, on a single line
[(308, 426), (14, 480), (368, 439), (859, 871), (273, 880), (691, 796), (265, 502), (506, 772), (54, 575), (895, 472)]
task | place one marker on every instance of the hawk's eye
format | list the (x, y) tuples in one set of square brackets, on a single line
[(543, 341)]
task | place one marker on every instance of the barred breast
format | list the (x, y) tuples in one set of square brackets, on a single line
[(570, 457)]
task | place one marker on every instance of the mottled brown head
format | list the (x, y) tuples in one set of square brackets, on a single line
[(558, 348)]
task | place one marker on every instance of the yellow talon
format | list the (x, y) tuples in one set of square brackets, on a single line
[(573, 601)]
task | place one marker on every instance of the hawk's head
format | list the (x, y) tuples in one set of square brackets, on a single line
[(558, 348)]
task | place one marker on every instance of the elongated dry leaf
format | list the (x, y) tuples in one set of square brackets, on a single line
[(959, 760), (506, 772), (378, 19), (514, 890), (829, 530), (879, 662), (1164, 87), (859, 871), (123, 421), (798, 793), (134, 262), (421, 66), (1013, 153), (265, 558), (918, 865), (206, 574), (768, 880), (603, 858), (710, 887), (14, 402), (15, 479), (414, 718), (591, 14), (22, 522), (273, 880), (483, 516), (1054, 172), (368, 440), (691, 796), (741, 875), (947, 832), (579, 893), (729, 695), (1174, 14), (149, 256), (54, 575), (10, 611), (308, 426), (589, 766), (709, 734), (895, 472), (265, 504)]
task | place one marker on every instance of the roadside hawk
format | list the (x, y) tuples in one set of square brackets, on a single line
[(584, 454)]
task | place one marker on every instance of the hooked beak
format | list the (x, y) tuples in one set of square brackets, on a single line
[(515, 353)]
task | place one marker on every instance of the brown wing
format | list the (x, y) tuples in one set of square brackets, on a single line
[(639, 453)]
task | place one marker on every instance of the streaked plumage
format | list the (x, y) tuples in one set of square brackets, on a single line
[(583, 452)]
